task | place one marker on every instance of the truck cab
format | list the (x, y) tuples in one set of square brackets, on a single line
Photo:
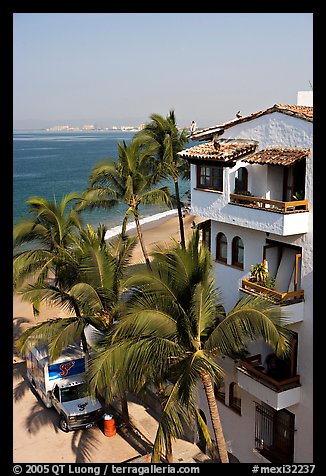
[(76, 408)]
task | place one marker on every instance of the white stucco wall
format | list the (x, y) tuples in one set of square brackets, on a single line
[(227, 277), (274, 129)]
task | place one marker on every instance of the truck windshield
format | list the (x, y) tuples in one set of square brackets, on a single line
[(73, 393)]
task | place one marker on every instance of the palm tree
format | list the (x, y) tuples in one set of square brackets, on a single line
[(93, 297), (175, 323), (50, 233), (165, 132), (132, 180)]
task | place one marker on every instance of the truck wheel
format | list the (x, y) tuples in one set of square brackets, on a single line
[(63, 424)]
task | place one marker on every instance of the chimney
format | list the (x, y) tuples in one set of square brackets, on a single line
[(305, 98)]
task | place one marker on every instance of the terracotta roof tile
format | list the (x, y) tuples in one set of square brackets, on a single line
[(222, 150), (301, 112), (278, 156)]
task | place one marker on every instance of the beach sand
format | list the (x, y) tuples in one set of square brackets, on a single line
[(36, 438)]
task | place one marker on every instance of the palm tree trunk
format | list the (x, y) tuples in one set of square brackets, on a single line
[(124, 410), (169, 452), (142, 244), (215, 417), (83, 337), (84, 344), (181, 226), (124, 226)]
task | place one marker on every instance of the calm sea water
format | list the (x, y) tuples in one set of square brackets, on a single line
[(52, 164)]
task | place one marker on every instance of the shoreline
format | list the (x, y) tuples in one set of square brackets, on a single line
[(145, 222)]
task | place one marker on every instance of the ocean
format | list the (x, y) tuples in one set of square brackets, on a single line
[(53, 164)]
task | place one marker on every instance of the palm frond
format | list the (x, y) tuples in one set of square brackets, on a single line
[(68, 332), (250, 319), (160, 196), (100, 197), (203, 429), (192, 368), (29, 263), (170, 425), (103, 173), (41, 333), (46, 292), (87, 297)]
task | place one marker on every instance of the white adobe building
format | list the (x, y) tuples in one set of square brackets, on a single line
[(252, 182)]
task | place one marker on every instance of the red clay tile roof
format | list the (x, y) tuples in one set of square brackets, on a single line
[(224, 150), (278, 156), (301, 112)]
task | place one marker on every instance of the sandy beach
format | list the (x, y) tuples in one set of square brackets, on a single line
[(36, 437)]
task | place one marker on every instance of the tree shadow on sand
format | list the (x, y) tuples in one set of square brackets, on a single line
[(18, 329), (39, 417), (19, 373), (84, 443)]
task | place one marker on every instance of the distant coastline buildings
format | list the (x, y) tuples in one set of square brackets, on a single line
[(93, 127)]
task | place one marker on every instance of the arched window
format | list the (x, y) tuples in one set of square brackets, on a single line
[(221, 247), (237, 252), (241, 180), (234, 397)]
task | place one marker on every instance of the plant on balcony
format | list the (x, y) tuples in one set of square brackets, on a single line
[(259, 275), (270, 282), (299, 195), (245, 193)]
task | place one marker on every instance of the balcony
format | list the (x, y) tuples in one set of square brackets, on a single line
[(278, 279), (291, 303), (274, 216), (276, 297), (270, 384), (269, 205)]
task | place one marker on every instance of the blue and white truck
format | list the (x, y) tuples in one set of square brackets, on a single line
[(62, 384)]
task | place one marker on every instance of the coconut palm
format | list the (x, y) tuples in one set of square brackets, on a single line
[(165, 132), (175, 323), (93, 297), (133, 180), (49, 234)]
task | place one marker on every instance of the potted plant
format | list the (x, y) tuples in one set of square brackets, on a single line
[(258, 274)]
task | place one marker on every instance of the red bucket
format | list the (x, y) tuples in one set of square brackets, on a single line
[(109, 425)]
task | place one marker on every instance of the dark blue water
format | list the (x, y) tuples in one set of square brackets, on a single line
[(53, 164)]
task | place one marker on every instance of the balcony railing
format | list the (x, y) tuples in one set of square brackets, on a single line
[(252, 365), (277, 297), (269, 205)]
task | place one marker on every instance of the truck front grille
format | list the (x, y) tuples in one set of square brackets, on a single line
[(86, 418)]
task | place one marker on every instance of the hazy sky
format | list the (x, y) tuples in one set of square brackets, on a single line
[(118, 68)]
